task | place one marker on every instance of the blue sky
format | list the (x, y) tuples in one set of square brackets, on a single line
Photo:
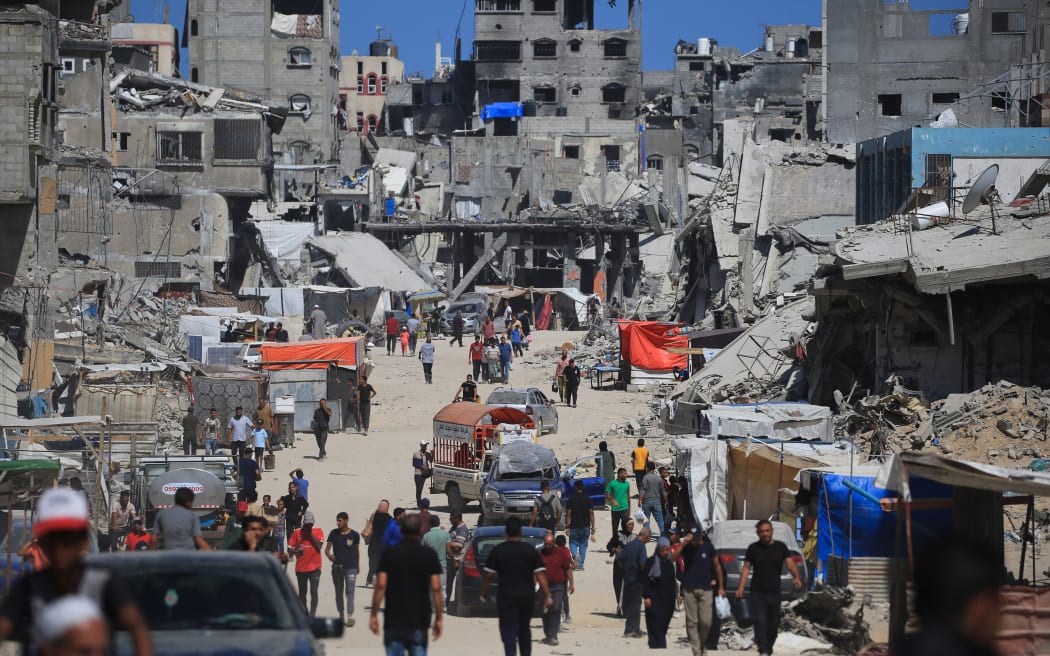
[(416, 24)]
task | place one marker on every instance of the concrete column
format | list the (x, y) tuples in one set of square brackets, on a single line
[(571, 270)]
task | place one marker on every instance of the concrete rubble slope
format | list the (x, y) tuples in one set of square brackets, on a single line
[(366, 262)]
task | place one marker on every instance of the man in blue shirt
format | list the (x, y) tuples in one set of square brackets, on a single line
[(701, 568), (632, 559), (392, 534), (301, 484), (506, 354)]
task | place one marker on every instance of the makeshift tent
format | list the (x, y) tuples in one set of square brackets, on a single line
[(644, 344), (777, 420), (500, 110), (314, 354), (706, 468), (568, 302), (757, 474), (337, 302), (284, 239)]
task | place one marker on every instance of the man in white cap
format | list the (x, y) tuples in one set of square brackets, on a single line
[(318, 322), (422, 468), (61, 525), (72, 625)]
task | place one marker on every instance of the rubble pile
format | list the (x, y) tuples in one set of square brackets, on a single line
[(831, 615)]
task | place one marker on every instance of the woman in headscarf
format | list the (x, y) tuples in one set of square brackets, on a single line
[(659, 590), (623, 536)]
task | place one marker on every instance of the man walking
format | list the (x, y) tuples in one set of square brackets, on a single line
[(559, 374), (365, 394), (305, 545), (265, 413), (558, 568), (618, 496), (422, 468), (260, 440), (639, 458), (506, 356), (488, 328), (426, 356), (413, 333), (652, 496), (178, 527), (766, 557), (457, 329), (579, 523), (632, 561), (295, 505), (211, 432), (546, 509), (606, 462), (343, 551), (458, 535), (519, 568), (468, 391), (319, 423), (392, 329), (373, 533), (572, 382), (239, 426), (191, 432), (438, 539), (477, 357), (318, 323), (701, 567), (409, 582)]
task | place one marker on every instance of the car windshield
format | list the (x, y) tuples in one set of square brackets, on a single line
[(526, 476), (20, 534), (506, 397), (182, 598), (483, 546)]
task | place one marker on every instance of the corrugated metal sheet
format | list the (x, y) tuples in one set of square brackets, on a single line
[(1024, 621), (125, 403), (10, 375), (307, 386), (875, 576)]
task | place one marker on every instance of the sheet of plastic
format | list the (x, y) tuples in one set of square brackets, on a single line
[(284, 239), (311, 354), (500, 110), (644, 344), (874, 531), (523, 457)]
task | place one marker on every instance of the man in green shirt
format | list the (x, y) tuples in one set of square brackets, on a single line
[(618, 495), (437, 539)]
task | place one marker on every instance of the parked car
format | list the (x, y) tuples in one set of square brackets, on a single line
[(512, 484), (473, 311), (218, 602), (250, 355), (731, 539), (468, 583), (532, 401)]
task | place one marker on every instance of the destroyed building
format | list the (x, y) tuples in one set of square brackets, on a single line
[(890, 66), (286, 51)]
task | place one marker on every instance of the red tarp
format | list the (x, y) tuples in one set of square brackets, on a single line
[(312, 354), (644, 344)]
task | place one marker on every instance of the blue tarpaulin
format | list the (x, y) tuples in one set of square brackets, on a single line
[(874, 530), (500, 110)]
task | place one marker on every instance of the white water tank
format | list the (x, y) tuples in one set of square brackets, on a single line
[(789, 51), (961, 23), (703, 46), (769, 42)]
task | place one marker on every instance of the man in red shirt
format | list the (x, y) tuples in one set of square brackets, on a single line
[(477, 357), (559, 574), (392, 330), (305, 545), (138, 539)]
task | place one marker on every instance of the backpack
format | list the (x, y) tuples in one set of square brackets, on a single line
[(546, 517)]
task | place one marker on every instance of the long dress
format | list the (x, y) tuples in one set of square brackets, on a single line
[(662, 590)]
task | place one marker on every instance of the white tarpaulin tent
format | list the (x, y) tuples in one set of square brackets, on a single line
[(284, 239), (706, 464), (896, 471), (780, 421)]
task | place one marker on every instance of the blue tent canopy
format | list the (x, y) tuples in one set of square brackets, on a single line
[(500, 110)]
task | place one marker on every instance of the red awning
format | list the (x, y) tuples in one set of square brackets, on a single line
[(644, 344), (311, 354)]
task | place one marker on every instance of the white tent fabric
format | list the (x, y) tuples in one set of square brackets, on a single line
[(284, 239), (706, 463), (782, 421)]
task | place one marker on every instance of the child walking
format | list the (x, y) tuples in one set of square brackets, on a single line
[(404, 341)]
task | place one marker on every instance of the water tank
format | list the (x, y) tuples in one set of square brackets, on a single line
[(407, 126), (769, 42), (382, 48), (961, 23), (789, 51), (703, 46)]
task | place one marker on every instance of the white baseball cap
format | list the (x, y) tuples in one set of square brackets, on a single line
[(61, 509)]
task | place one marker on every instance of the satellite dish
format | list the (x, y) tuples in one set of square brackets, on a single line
[(981, 191)]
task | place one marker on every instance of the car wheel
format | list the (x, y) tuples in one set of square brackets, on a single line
[(455, 499), (539, 426)]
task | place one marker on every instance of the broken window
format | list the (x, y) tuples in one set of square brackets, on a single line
[(157, 269), (1001, 99), (816, 39), (193, 27), (571, 152), (498, 5), (193, 75), (299, 104), (179, 147), (361, 122), (696, 66), (574, 45), (383, 68), (945, 98), (237, 139), (615, 47), (890, 104), (612, 157), (371, 84), (575, 91), (299, 57), (544, 49), (1007, 22), (360, 68), (502, 91), (497, 50), (544, 6), (655, 162), (69, 66), (544, 94), (614, 93), (120, 140)]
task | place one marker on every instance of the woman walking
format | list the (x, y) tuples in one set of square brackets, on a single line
[(322, 416), (659, 590)]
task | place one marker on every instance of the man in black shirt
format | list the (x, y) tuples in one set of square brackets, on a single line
[(343, 550), (766, 557), (701, 568), (375, 527), (255, 537), (408, 571), (295, 505), (572, 382), (518, 566), (468, 391), (365, 394), (579, 523)]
